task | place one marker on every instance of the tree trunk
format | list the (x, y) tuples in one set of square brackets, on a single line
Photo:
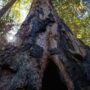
[(46, 52), (6, 7)]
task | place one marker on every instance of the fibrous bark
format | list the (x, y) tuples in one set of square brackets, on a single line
[(42, 39)]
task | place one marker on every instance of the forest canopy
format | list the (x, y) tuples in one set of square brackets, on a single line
[(75, 13)]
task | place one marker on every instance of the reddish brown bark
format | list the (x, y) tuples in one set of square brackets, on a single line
[(44, 39)]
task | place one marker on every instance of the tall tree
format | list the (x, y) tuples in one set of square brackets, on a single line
[(43, 43), (6, 7)]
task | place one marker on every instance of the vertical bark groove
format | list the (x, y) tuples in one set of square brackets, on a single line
[(44, 36)]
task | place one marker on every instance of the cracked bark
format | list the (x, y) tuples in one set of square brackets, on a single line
[(44, 38)]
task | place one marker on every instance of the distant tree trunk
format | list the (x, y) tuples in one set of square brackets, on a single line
[(46, 52), (6, 7)]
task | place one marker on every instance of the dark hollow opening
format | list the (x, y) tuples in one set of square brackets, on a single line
[(52, 79)]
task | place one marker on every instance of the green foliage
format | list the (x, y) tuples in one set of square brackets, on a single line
[(76, 16), (20, 10)]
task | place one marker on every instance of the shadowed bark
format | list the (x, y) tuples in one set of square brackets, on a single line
[(45, 42)]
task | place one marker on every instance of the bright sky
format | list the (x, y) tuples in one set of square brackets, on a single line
[(1, 4), (10, 35)]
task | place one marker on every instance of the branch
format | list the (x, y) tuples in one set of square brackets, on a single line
[(6, 7)]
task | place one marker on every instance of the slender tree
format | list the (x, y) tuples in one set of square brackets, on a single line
[(44, 41), (6, 7)]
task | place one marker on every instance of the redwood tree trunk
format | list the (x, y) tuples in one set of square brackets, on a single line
[(44, 39)]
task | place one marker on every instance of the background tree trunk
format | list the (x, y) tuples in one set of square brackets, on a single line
[(6, 7), (45, 42)]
